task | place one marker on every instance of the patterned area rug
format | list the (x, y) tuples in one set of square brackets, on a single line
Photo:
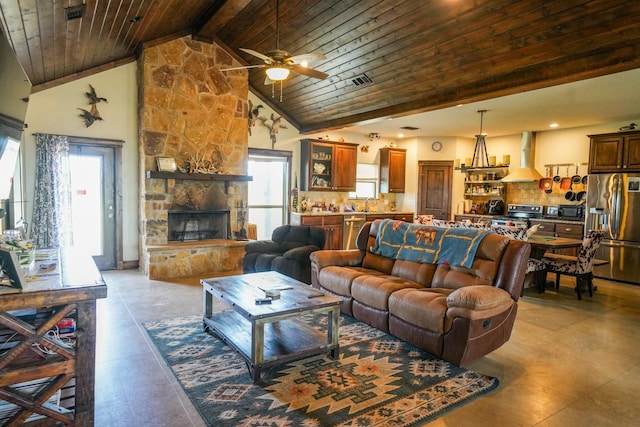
[(377, 381)]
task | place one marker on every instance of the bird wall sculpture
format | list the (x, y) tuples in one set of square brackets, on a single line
[(93, 115), (93, 98), (90, 116), (274, 124), (253, 115)]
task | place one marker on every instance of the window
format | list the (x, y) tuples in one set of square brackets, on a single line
[(268, 191), (366, 181)]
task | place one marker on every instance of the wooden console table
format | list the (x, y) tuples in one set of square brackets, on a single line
[(67, 290)]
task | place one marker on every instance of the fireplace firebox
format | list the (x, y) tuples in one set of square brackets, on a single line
[(199, 225)]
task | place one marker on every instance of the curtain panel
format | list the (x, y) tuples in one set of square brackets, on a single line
[(51, 226)]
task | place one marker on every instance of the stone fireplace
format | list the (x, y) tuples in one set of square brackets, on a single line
[(194, 113), (198, 225)]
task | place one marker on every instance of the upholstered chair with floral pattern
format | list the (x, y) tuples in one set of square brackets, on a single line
[(581, 267), (519, 233)]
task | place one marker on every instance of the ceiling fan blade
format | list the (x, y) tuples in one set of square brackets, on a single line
[(309, 72), (265, 58), (308, 57), (245, 67)]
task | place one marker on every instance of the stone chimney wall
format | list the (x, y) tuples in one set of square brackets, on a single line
[(193, 112)]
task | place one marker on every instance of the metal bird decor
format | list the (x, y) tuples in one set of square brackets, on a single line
[(93, 98), (90, 117), (253, 114), (274, 125)]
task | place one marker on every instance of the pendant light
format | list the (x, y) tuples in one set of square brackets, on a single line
[(480, 156)]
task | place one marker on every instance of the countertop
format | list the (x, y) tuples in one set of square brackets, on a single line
[(353, 213), (549, 220)]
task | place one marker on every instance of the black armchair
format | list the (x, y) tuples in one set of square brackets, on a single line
[(287, 252)]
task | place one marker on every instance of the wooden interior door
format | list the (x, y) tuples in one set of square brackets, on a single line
[(434, 188)]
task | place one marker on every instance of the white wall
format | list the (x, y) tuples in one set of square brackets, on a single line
[(55, 111)]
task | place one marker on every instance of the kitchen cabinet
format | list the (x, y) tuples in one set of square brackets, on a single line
[(615, 152), (392, 169), (327, 165), (545, 228), (561, 229), (332, 225), (406, 217)]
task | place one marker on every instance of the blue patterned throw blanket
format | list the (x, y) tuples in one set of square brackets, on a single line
[(428, 244)]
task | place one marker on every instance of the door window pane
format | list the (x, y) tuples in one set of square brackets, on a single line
[(268, 201), (86, 203), (266, 187), (266, 220)]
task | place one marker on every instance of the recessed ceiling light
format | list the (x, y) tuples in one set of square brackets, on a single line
[(554, 125), (400, 135)]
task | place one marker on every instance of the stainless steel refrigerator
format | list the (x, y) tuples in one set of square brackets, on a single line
[(613, 204)]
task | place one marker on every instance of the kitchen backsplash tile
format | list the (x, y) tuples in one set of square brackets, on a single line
[(528, 193)]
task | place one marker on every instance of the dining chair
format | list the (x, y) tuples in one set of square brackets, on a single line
[(520, 233), (424, 219), (581, 266)]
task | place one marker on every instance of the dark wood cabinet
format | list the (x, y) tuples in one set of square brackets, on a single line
[(392, 169), (544, 228), (332, 225), (561, 229), (327, 165), (615, 152)]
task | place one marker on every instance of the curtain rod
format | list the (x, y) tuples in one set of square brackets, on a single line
[(80, 138)]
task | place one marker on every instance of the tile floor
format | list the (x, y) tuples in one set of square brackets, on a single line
[(568, 363)]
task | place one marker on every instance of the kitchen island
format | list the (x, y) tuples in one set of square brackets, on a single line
[(341, 228), (44, 375)]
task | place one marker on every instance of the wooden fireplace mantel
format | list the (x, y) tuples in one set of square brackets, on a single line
[(197, 176)]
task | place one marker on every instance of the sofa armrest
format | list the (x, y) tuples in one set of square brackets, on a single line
[(301, 253), (263, 246), (341, 258), (477, 302)]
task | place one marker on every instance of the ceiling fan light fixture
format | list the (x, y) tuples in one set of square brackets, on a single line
[(277, 73)]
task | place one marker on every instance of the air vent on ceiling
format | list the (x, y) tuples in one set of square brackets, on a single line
[(75, 12), (361, 80), (409, 128)]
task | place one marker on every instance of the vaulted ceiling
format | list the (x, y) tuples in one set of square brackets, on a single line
[(419, 55)]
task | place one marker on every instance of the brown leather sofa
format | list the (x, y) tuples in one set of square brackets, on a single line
[(455, 313)]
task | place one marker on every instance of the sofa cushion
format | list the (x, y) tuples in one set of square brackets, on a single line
[(377, 262), (338, 279), (412, 270), (483, 270), (374, 291), (425, 308)]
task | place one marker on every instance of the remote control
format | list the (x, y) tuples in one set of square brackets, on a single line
[(263, 300)]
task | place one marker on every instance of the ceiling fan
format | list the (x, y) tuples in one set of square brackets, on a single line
[(278, 64)]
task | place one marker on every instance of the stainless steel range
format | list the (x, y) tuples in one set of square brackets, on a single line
[(519, 215)]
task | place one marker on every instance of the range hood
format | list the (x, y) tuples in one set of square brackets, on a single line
[(527, 172)]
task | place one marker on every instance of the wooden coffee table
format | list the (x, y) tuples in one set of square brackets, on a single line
[(270, 334)]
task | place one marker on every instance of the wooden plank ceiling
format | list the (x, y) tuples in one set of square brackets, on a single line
[(420, 55)]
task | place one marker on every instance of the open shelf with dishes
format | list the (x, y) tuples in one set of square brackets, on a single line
[(484, 185)]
